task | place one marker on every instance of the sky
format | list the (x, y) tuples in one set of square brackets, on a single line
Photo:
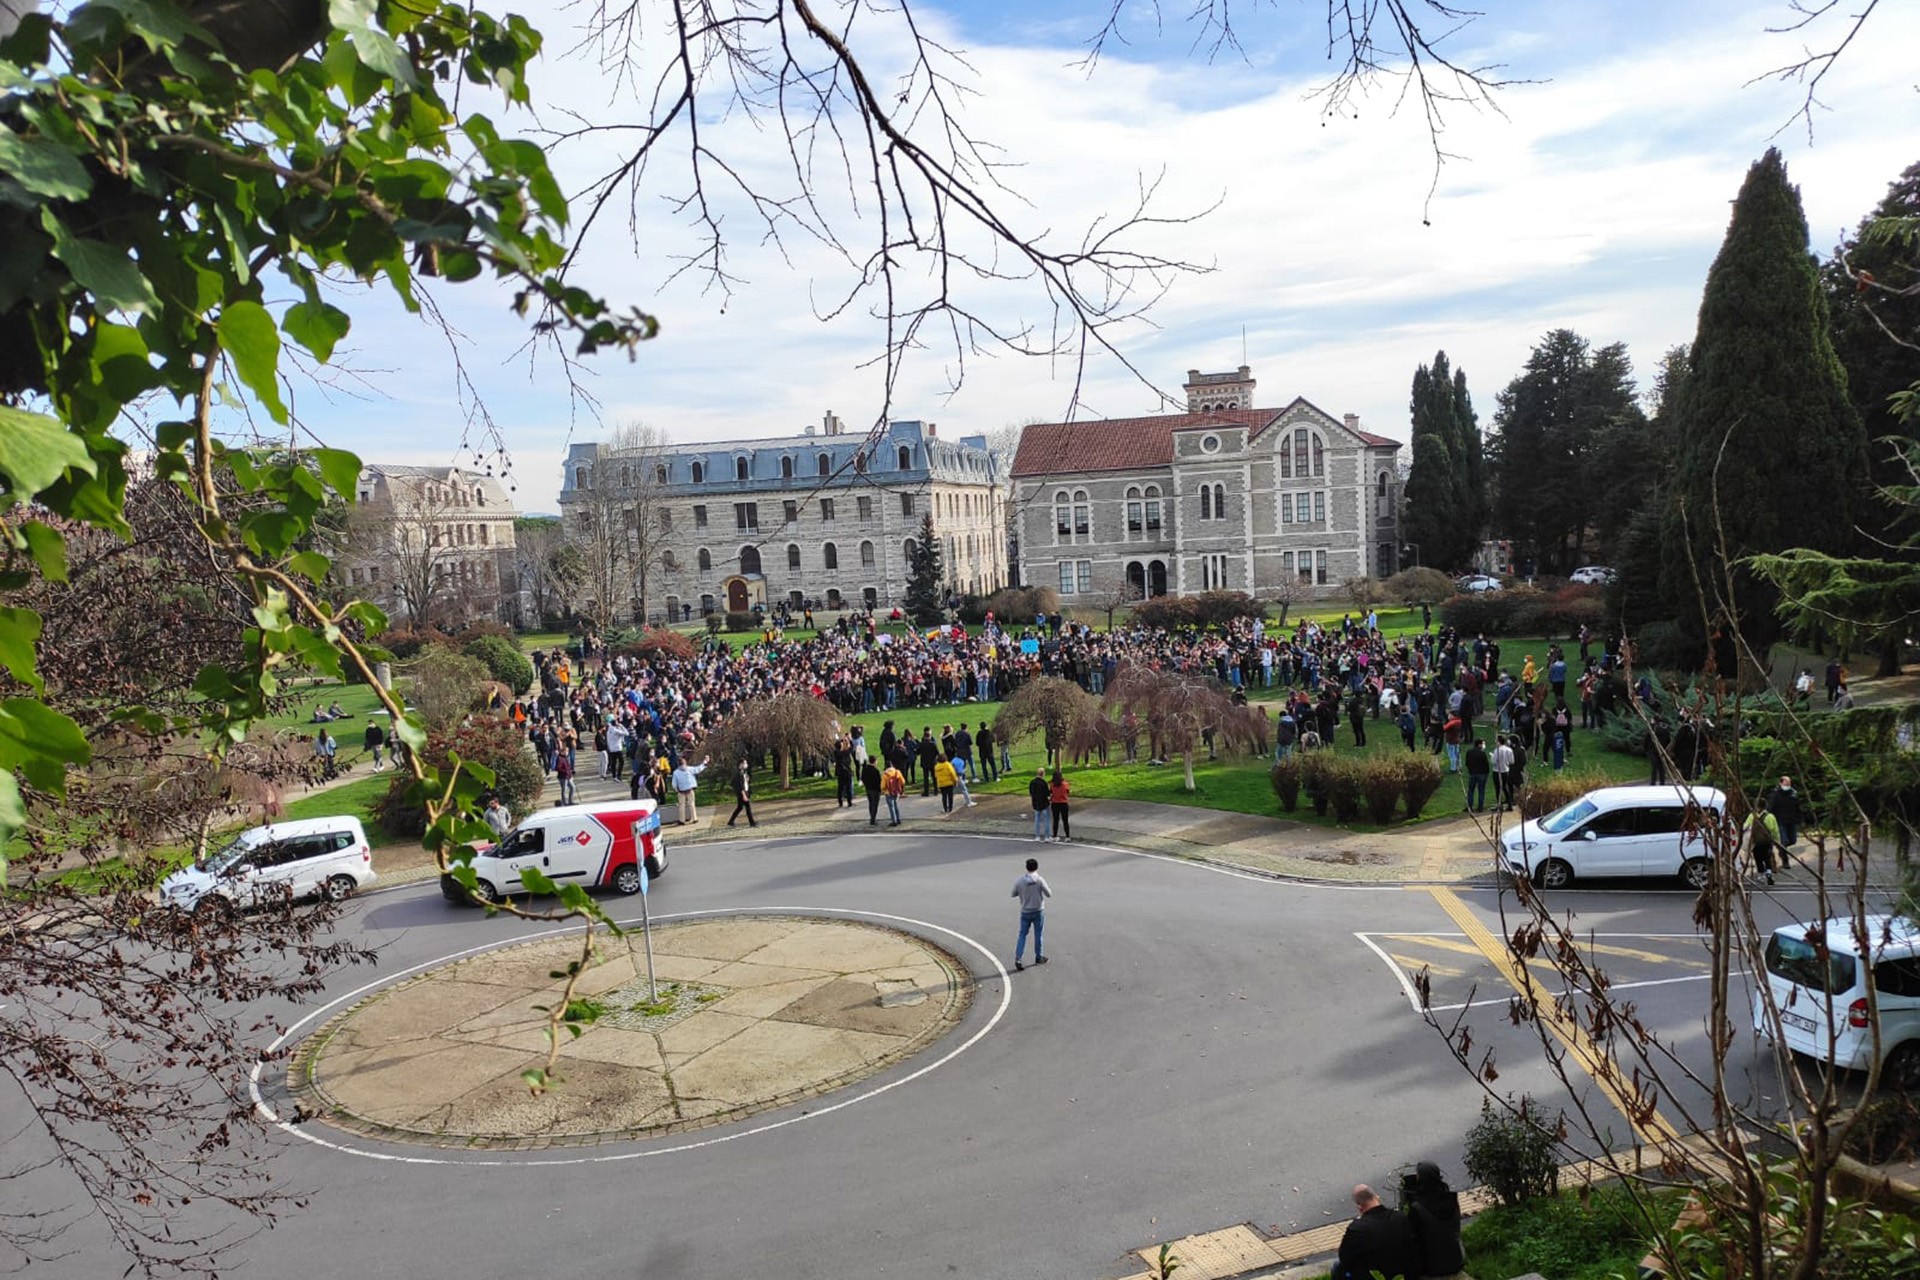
[(1591, 194)]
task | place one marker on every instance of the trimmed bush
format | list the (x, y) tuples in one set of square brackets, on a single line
[(1314, 768), (1418, 585), (1381, 787), (502, 659), (1511, 1152), (404, 642), (1420, 779), (497, 744), (659, 644), (1017, 605), (741, 620), (482, 627), (1209, 608), (1541, 795), (714, 623), (1343, 789), (1285, 777)]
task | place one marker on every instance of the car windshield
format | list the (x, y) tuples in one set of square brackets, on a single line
[(1798, 961), (226, 856), (1569, 816)]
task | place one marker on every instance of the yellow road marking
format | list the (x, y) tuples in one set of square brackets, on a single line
[(1441, 944), (1414, 966), (1597, 948), (1657, 1128)]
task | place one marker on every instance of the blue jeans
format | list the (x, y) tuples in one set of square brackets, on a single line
[(1476, 791), (893, 810), (1042, 822), (1035, 921), (566, 791), (1453, 757)]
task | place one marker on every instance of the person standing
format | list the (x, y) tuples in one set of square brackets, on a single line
[(1379, 1240), (1040, 795), (870, 781), (617, 736), (1783, 802), (1033, 892), (563, 773), (1434, 1209), (742, 795), (497, 817), (686, 785), (842, 774), (1058, 793), (983, 742), (945, 777), (929, 756), (1765, 835), (375, 741), (893, 785), (1502, 767), (1477, 769), (960, 767)]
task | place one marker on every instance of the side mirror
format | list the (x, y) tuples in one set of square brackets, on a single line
[(239, 869), (1589, 834)]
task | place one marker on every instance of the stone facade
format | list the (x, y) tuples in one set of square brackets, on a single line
[(1222, 497), (445, 530), (824, 516)]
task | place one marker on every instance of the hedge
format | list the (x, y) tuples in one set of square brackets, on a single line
[(503, 660), (1209, 608), (1524, 611)]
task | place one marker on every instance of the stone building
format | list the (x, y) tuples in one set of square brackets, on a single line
[(432, 541), (824, 516), (1225, 496)]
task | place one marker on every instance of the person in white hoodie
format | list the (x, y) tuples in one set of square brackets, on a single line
[(686, 785)]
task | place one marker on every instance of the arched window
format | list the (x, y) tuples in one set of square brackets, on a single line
[(706, 560), (699, 473), (739, 468), (1301, 444), (1082, 514), (866, 555), (906, 457), (830, 555), (479, 496), (825, 464), (1153, 509), (793, 556), (1380, 489), (749, 560), (786, 468), (906, 549), (667, 561), (582, 478), (1219, 502), (1206, 502), (1319, 460), (1062, 515), (660, 474)]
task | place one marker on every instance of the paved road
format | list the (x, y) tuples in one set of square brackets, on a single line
[(1207, 1048)]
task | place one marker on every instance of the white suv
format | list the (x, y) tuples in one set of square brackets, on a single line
[(1592, 575), (1819, 986), (1617, 831), (310, 857)]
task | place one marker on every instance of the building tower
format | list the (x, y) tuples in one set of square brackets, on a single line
[(1207, 392)]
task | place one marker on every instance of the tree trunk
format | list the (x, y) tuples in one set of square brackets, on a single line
[(1889, 657), (1186, 765)]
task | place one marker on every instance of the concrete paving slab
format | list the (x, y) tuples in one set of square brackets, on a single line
[(1217, 1254), (689, 1039), (594, 1097), (722, 939), (424, 1009), (618, 1047), (854, 1005), (764, 1001), (404, 1090), (776, 1058), (836, 946), (741, 974)]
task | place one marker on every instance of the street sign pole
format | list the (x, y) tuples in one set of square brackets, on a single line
[(646, 918)]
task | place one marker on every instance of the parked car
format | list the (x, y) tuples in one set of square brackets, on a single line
[(601, 846), (1478, 582), (1592, 575), (1818, 975), (1617, 831), (309, 857)]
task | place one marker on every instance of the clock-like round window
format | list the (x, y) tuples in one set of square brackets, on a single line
[(1210, 444)]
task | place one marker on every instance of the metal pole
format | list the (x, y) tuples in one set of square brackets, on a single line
[(646, 916)]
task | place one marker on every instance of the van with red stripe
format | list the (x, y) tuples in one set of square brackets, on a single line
[(598, 846)]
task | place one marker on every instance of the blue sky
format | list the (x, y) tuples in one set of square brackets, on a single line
[(1593, 198)]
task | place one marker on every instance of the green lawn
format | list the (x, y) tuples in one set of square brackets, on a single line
[(357, 700), (531, 640)]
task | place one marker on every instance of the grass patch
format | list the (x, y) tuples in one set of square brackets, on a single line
[(531, 640), (358, 701), (1563, 1236)]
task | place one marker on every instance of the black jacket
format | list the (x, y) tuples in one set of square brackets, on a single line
[(1039, 792), (1435, 1215), (1383, 1240)]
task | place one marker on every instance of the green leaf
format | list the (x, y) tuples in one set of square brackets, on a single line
[(43, 167), (340, 470), (13, 816), (104, 270), (317, 327), (48, 549), (19, 630), (412, 732), (39, 741), (374, 48), (251, 340), (121, 362), (36, 450), (310, 565)]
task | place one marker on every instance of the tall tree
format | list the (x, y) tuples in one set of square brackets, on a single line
[(923, 575), (1548, 431), (1438, 508), (1636, 466), (1770, 452), (1470, 448)]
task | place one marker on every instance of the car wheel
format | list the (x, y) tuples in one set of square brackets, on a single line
[(1554, 874), (338, 889), (656, 866), (627, 879), (1902, 1069), (487, 892), (1697, 872), (213, 909)]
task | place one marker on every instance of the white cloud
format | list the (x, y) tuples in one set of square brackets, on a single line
[(1596, 201)]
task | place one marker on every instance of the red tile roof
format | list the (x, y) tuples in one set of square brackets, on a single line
[(1120, 444)]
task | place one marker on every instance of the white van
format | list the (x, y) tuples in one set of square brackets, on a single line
[(599, 846), (310, 857), (1819, 986), (1617, 831)]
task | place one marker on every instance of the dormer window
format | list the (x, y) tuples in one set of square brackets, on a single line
[(739, 468)]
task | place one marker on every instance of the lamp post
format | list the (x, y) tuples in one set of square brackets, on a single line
[(1414, 547)]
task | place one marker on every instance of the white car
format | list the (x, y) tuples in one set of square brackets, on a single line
[(1592, 575), (1617, 831), (1478, 582), (307, 858), (1818, 983)]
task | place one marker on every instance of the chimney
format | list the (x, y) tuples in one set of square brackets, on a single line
[(933, 431), (809, 429), (1353, 421), (831, 424)]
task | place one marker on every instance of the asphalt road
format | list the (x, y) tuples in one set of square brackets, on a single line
[(1206, 1048)]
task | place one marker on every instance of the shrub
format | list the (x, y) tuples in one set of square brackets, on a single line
[(1314, 769), (404, 643), (1541, 795), (659, 644), (1418, 585), (497, 744), (1517, 611), (481, 627), (1017, 605), (1209, 608), (1285, 777), (714, 623), (1381, 786), (1420, 778), (1343, 789), (502, 659), (1511, 1152), (445, 685), (741, 620)]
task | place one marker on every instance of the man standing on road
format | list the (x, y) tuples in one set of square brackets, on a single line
[(1033, 893), (742, 795), (1379, 1240), (1041, 797), (871, 782), (686, 785), (498, 818)]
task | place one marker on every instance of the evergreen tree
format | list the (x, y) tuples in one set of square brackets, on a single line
[(923, 576), (1770, 452), (1471, 450), (1436, 506)]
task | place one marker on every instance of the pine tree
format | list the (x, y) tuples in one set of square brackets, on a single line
[(1770, 453), (1470, 450), (1446, 488), (923, 576)]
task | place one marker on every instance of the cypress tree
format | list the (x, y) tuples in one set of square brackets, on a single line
[(923, 576), (1770, 453), (1471, 468), (1436, 506)]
